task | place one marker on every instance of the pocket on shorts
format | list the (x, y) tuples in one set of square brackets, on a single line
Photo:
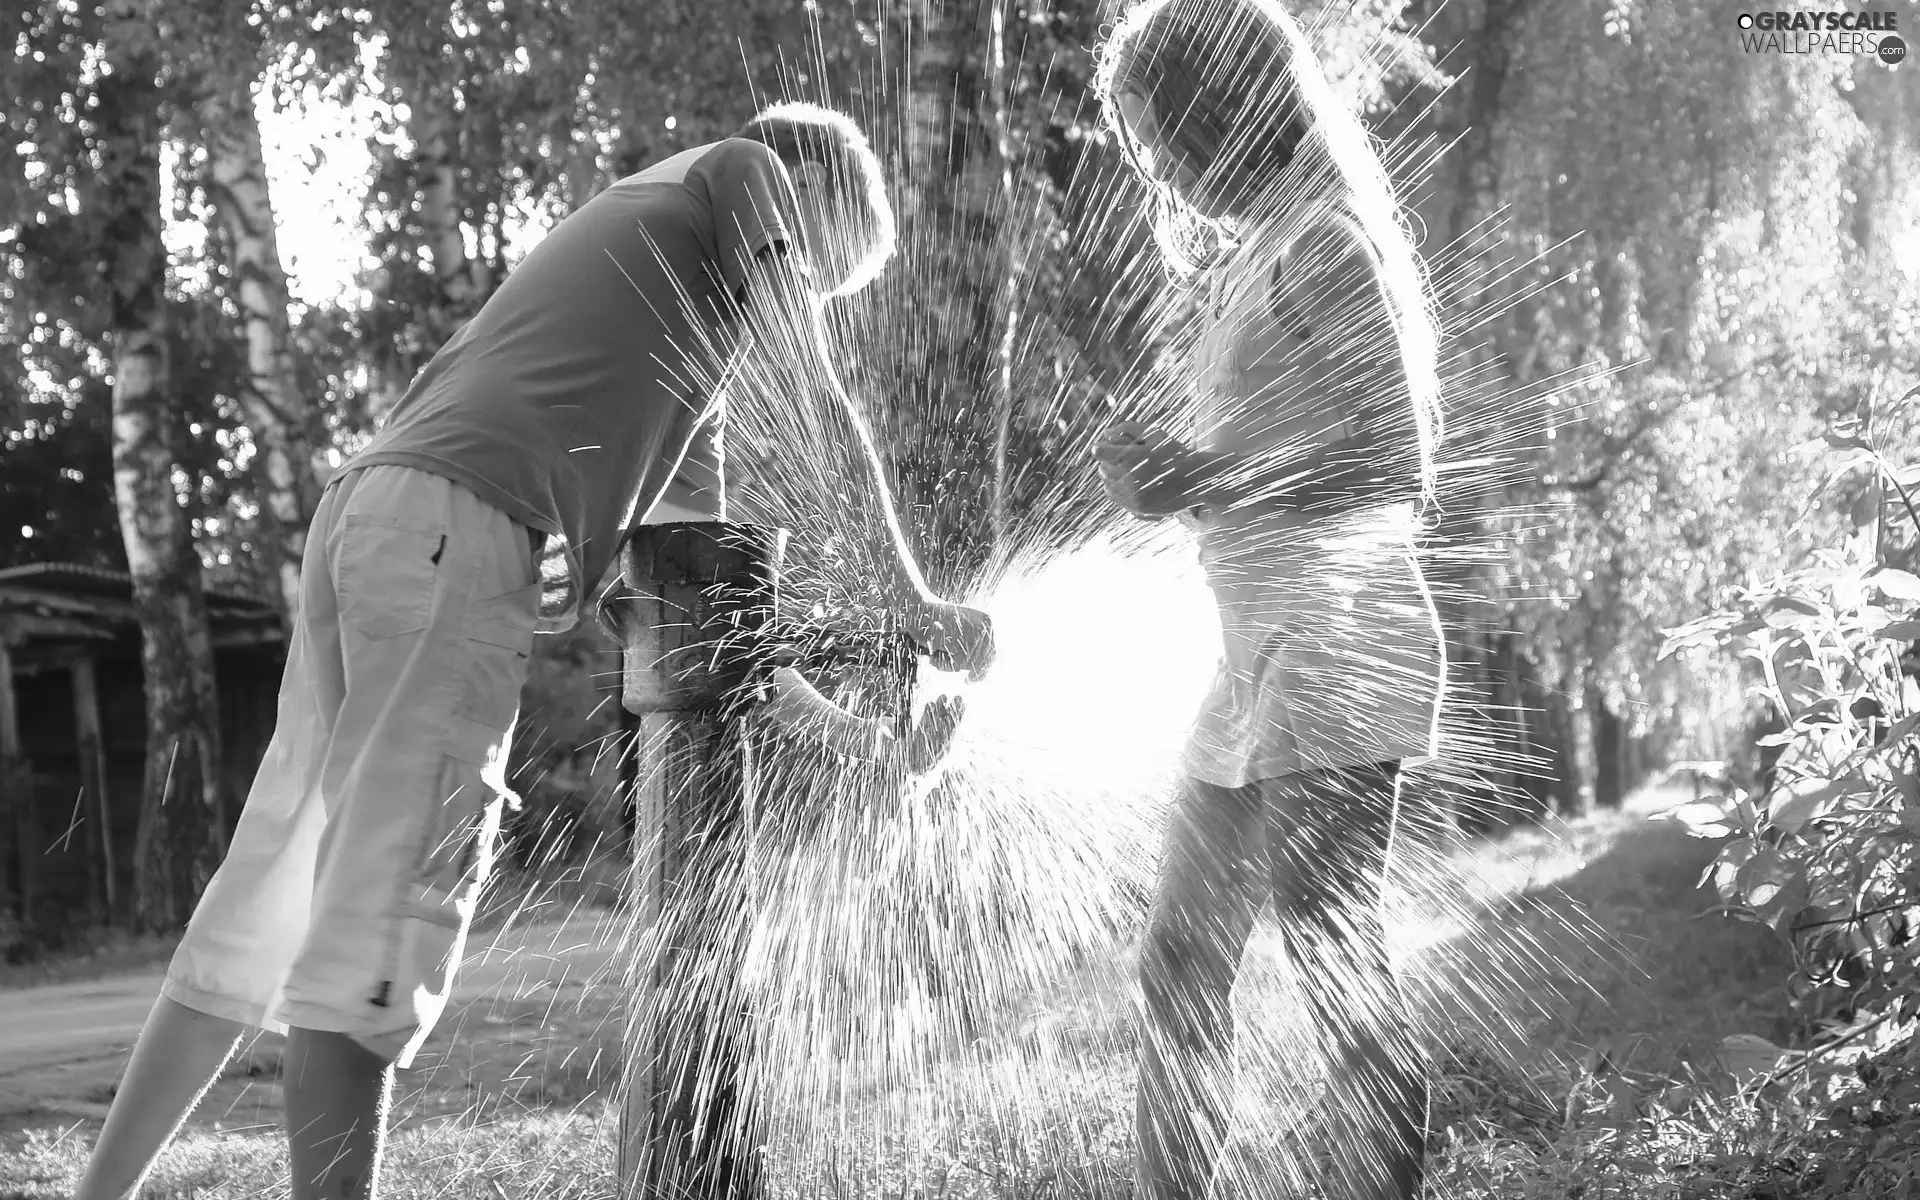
[(496, 646), (456, 851), (386, 573), (442, 890)]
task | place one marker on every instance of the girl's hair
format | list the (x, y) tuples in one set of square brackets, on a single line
[(1235, 87)]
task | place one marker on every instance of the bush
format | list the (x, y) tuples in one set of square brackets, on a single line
[(566, 751), (1825, 846)]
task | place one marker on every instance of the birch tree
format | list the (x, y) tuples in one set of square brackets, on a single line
[(279, 417), (180, 839)]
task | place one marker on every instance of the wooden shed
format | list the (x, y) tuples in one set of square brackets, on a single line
[(73, 714)]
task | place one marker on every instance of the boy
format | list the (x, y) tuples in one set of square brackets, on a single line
[(561, 413)]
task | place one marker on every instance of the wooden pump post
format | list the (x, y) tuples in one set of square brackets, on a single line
[(695, 595)]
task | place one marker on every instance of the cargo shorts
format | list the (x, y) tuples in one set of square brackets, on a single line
[(344, 900)]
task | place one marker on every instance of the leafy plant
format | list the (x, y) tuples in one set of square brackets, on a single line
[(1826, 847)]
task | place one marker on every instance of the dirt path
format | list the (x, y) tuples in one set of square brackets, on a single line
[(1623, 953), (521, 994)]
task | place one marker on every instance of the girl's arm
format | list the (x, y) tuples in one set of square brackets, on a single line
[(797, 706), (1153, 475), (1332, 326), (1365, 470)]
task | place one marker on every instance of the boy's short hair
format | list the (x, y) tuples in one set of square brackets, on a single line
[(807, 133)]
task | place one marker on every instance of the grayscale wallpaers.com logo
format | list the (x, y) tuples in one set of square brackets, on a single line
[(1828, 31)]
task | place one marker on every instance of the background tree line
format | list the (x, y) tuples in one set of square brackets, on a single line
[(1663, 264)]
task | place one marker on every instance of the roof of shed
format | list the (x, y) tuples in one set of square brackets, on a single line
[(55, 604), (80, 579)]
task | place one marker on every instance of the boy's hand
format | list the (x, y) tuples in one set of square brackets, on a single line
[(1145, 471), (931, 737), (955, 638)]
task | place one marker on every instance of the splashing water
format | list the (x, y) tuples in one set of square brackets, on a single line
[(936, 976)]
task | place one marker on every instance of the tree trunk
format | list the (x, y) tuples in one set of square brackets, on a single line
[(1476, 162), (1633, 761), (995, 109), (1609, 752), (278, 416), (1539, 735), (1578, 715), (91, 747), (16, 788), (179, 842), (457, 288), (460, 283), (958, 178)]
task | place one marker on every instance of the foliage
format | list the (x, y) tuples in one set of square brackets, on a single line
[(1666, 289), (1602, 1133), (1827, 849), (566, 750)]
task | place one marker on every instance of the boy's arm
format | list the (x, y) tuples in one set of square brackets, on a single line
[(783, 319), (697, 490), (791, 356)]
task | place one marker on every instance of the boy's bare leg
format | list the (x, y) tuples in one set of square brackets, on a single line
[(176, 1059), (336, 1092)]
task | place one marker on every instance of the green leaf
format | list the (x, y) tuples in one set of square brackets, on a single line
[(1748, 1057), (1899, 631), (1795, 605), (1901, 731), (1793, 806), (1703, 819), (1901, 585), (1909, 787), (1825, 711), (1707, 631)]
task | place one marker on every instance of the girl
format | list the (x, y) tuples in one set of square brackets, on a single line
[(1315, 408)]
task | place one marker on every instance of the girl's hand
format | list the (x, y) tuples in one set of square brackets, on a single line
[(931, 737), (1145, 471)]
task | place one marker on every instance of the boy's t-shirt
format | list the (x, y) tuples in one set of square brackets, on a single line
[(590, 378)]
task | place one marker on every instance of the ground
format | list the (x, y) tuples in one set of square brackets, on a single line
[(527, 1015), (1613, 972)]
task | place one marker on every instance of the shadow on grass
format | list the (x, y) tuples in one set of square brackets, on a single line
[(1670, 977)]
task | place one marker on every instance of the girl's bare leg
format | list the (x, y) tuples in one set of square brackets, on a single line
[(1330, 839), (177, 1057), (1212, 883)]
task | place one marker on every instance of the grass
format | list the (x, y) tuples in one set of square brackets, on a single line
[(1612, 1079), (92, 954), (99, 952), (1662, 1077), (538, 1156)]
